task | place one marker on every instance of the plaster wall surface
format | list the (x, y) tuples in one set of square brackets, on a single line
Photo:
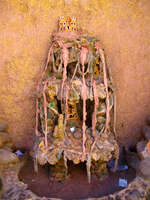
[(123, 27)]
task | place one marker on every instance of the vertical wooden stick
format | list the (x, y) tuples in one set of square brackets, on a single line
[(83, 55), (101, 53), (96, 101), (45, 112)]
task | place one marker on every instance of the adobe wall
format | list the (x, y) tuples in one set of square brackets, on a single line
[(123, 26)]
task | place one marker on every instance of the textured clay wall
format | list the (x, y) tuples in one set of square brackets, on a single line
[(123, 26)]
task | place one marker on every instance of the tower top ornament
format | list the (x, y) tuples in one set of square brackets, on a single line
[(67, 24)]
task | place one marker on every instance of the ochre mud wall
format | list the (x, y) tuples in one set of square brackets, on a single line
[(123, 26)]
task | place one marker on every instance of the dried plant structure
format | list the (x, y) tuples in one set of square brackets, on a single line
[(75, 103)]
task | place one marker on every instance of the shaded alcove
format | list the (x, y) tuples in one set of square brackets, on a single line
[(76, 186)]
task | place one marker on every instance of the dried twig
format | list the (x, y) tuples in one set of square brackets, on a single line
[(115, 102), (88, 163), (83, 55), (66, 104), (45, 106), (65, 163), (88, 168), (35, 164), (36, 117), (38, 87), (101, 53), (65, 57), (75, 71), (45, 112), (48, 58), (96, 101)]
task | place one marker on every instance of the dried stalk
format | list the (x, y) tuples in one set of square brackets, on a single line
[(96, 101), (116, 160), (73, 151), (65, 57), (88, 168), (75, 71), (59, 67), (48, 57), (66, 103), (117, 154), (84, 95), (45, 112), (83, 55), (115, 102), (54, 110), (38, 86), (65, 163), (88, 163), (114, 120), (101, 53), (45, 106), (80, 71), (36, 118), (35, 164)]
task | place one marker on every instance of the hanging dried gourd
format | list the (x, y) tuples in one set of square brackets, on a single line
[(75, 100)]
